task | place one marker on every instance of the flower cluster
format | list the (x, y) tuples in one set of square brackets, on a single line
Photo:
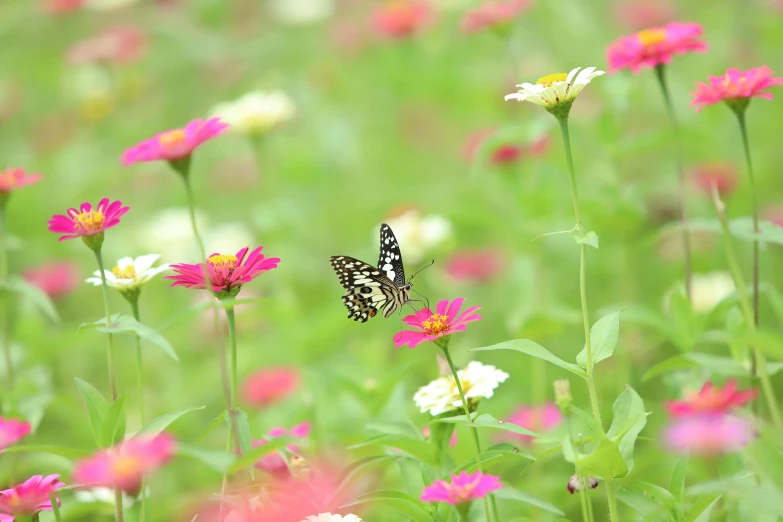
[(273, 462)]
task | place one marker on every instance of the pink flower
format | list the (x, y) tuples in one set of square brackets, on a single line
[(62, 6), (12, 179), (711, 399), (462, 488), (539, 419), (399, 19), (119, 44), (88, 221), (29, 498), (445, 321), (655, 46), (735, 85), (575, 484), (174, 144), (452, 440), (226, 273), (708, 434), (124, 465), (475, 265), (505, 152), (318, 490), (273, 462), (722, 176), (12, 431), (56, 278), (638, 14), (270, 385), (492, 15)]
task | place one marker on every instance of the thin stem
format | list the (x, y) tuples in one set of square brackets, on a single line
[(583, 500), (192, 211), (589, 506), (140, 392), (118, 510), (109, 337), (582, 269), (686, 238), (55, 507), (5, 301), (469, 419), (233, 434), (612, 501)]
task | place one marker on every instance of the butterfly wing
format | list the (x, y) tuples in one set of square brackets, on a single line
[(390, 259), (367, 289)]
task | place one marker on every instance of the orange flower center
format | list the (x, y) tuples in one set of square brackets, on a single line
[(466, 385), (650, 37), (91, 221), (124, 273), (219, 261), (172, 138), (549, 79), (126, 466), (8, 178), (707, 401), (436, 325)]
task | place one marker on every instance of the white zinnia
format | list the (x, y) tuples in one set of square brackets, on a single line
[(417, 234), (555, 89), (441, 395), (129, 274), (707, 290), (257, 112), (300, 12), (328, 517)]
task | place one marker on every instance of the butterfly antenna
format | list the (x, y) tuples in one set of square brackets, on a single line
[(424, 297), (420, 269)]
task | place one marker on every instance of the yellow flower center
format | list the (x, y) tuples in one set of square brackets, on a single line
[(172, 138), (436, 325), (219, 261), (124, 273), (466, 385), (7, 178), (650, 37), (91, 221), (126, 466), (549, 79)]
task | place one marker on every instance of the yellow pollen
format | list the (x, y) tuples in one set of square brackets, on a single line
[(437, 324), (172, 137), (126, 466), (91, 221), (7, 178), (222, 261), (549, 79), (124, 273), (650, 37)]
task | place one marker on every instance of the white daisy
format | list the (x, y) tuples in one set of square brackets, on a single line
[(418, 234), (328, 517), (129, 274), (441, 395), (555, 89), (257, 112)]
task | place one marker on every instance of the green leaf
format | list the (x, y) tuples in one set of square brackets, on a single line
[(37, 297), (677, 482), (767, 458), (533, 349), (127, 324), (113, 430), (516, 495), (97, 407), (62, 451), (160, 423), (590, 421), (488, 421), (649, 510), (589, 239), (605, 462), (402, 502), (701, 509), (420, 449), (686, 325), (215, 459), (245, 437), (249, 458), (656, 493), (206, 305), (557, 232), (214, 424), (497, 454), (603, 337), (628, 419), (356, 469)]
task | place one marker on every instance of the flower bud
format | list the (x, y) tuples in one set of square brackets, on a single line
[(575, 483), (563, 397)]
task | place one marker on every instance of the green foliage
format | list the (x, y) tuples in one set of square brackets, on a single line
[(603, 337), (127, 324), (534, 350)]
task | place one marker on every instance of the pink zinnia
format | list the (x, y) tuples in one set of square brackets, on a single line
[(721, 176), (399, 19), (492, 15), (124, 465), (446, 320), (655, 46), (712, 399), (119, 44), (462, 488), (56, 278), (539, 419), (223, 273), (29, 498), (735, 85), (270, 385), (475, 265), (273, 462), (175, 144), (12, 431), (87, 221), (12, 179), (708, 434)]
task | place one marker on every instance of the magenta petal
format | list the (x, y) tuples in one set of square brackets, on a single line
[(454, 307)]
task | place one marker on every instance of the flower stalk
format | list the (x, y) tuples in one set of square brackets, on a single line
[(133, 299), (610, 497), (109, 336)]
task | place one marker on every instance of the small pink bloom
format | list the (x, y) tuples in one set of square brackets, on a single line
[(462, 488), (225, 273), (124, 465), (12, 179), (62, 6), (399, 19), (655, 46), (735, 85), (506, 152), (475, 265), (295, 498), (273, 462), (708, 434), (452, 441), (119, 44), (12, 431), (712, 399), (721, 176), (446, 320), (29, 498), (539, 419), (174, 144), (270, 385), (56, 278), (87, 221), (301, 430), (492, 15)]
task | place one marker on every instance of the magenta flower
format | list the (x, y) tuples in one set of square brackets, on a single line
[(12, 431), (398, 19), (56, 278), (445, 321), (225, 273), (655, 46), (175, 144), (712, 399), (735, 85), (538, 419), (29, 498), (273, 462), (708, 434), (462, 488), (12, 179), (477, 266), (88, 221), (270, 385), (496, 14)]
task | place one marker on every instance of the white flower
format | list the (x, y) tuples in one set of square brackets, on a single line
[(418, 234), (328, 517), (257, 112), (554, 89), (441, 395), (129, 274), (296, 12), (707, 290)]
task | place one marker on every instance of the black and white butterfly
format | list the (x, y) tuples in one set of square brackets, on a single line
[(369, 289)]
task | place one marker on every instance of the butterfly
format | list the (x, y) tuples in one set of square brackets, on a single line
[(369, 289)]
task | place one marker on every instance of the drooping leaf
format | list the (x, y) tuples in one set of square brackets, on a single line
[(488, 421), (160, 423), (557, 232), (589, 239), (603, 338), (212, 425), (402, 502), (128, 324), (97, 407), (533, 349), (37, 297), (628, 419), (508, 493)]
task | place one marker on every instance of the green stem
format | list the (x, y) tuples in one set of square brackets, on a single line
[(118, 511), (469, 419), (192, 211), (233, 434), (612, 501), (109, 337), (686, 240), (5, 302), (140, 392), (582, 269), (55, 507), (589, 504), (583, 500)]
